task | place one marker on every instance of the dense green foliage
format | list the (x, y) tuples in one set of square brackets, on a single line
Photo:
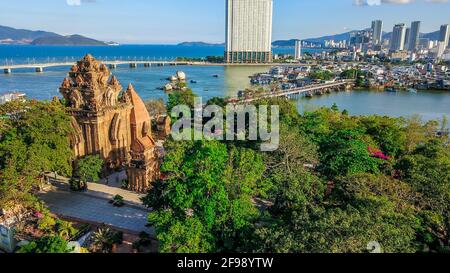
[(51, 244), (323, 75), (179, 97), (336, 184), (89, 168), (355, 74), (205, 204), (33, 140)]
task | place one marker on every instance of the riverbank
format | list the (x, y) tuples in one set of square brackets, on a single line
[(231, 79)]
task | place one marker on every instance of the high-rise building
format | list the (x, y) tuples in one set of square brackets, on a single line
[(377, 32), (361, 37), (298, 50), (414, 36), (407, 37), (248, 31), (440, 49), (398, 37), (445, 34)]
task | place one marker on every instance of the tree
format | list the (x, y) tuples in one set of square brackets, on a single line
[(323, 75), (427, 170), (209, 188), (156, 107), (365, 208), (387, 133), (34, 140), (103, 240), (345, 153), (89, 168), (178, 97), (52, 244)]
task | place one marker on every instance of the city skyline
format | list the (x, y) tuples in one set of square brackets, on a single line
[(143, 23)]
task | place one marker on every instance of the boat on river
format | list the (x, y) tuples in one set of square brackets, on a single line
[(391, 89)]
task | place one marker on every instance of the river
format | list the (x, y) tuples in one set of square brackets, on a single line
[(44, 86)]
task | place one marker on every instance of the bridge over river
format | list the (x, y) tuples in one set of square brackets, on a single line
[(39, 67), (309, 90), (9, 66)]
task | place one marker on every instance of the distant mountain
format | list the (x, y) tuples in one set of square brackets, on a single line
[(319, 40), (337, 37), (73, 40), (22, 35), (284, 43), (432, 35), (199, 44), (9, 35)]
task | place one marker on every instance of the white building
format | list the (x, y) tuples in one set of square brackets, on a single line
[(440, 49), (445, 34), (298, 50), (398, 37), (249, 31)]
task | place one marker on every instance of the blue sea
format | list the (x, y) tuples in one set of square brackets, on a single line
[(19, 54)]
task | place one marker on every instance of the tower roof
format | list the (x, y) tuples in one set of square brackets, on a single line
[(139, 114)]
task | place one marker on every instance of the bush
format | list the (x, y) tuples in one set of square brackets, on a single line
[(144, 239), (47, 223), (77, 185), (66, 230), (118, 201), (104, 239), (50, 244), (118, 237), (124, 184)]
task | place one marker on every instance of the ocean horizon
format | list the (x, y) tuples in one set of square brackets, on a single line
[(22, 54)]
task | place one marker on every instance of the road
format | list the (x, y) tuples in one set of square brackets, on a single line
[(93, 208)]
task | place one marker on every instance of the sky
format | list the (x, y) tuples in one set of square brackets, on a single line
[(173, 21)]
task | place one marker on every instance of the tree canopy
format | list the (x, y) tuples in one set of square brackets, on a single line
[(33, 140), (337, 183)]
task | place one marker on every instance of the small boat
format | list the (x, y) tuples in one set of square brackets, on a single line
[(215, 76), (412, 90), (391, 89), (193, 81)]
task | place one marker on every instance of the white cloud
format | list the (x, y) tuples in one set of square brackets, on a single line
[(396, 2), (78, 2)]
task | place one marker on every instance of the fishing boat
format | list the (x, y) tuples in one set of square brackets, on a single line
[(390, 89), (193, 81), (215, 76)]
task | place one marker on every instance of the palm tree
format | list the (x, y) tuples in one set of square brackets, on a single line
[(104, 240)]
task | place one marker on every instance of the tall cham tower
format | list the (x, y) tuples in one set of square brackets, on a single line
[(110, 122)]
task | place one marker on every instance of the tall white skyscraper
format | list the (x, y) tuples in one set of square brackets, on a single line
[(398, 37), (445, 34), (249, 31), (414, 36), (377, 32), (298, 50)]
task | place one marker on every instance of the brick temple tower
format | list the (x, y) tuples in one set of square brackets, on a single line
[(110, 122)]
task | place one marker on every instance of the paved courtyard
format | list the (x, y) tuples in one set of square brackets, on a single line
[(92, 208)]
